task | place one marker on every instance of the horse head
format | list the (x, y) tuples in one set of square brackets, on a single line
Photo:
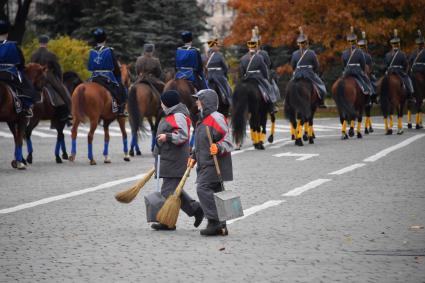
[(125, 75), (36, 74)]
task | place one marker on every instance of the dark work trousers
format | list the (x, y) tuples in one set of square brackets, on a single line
[(189, 205), (206, 198)]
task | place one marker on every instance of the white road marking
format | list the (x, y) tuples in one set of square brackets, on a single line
[(390, 149), (302, 156), (252, 148), (99, 131), (313, 184), (71, 194), (80, 134), (42, 135), (347, 169), (255, 209), (5, 134)]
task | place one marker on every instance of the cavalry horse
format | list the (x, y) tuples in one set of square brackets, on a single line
[(92, 101), (393, 97), (71, 80), (418, 79), (17, 122), (301, 102), (223, 105), (143, 101), (248, 100), (368, 107)]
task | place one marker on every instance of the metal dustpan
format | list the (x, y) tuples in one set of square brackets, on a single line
[(154, 201)]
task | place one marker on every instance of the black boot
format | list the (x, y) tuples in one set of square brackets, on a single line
[(322, 103), (272, 108), (199, 216), (368, 100), (215, 228), (163, 227), (373, 98), (121, 111), (410, 99), (27, 112)]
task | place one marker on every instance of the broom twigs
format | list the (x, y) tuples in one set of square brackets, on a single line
[(128, 195)]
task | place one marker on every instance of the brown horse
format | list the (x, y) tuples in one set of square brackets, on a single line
[(393, 97), (93, 102), (17, 122), (125, 75), (143, 101), (223, 105), (350, 101), (301, 102), (418, 79), (71, 80)]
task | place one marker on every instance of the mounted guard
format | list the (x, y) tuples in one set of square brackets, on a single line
[(148, 68), (106, 70), (217, 69), (12, 67), (354, 61), (59, 95), (396, 63), (189, 63), (305, 65)]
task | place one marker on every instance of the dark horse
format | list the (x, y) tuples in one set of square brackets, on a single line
[(17, 122), (143, 101), (71, 80), (223, 105), (418, 79), (301, 102), (350, 101), (393, 97), (248, 100)]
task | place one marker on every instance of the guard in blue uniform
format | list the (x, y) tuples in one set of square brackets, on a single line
[(417, 58), (355, 65), (305, 65), (362, 44), (106, 70), (217, 70), (396, 63), (189, 63)]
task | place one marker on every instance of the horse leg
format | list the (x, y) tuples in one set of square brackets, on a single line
[(28, 132), (272, 128), (400, 118), (106, 141), (305, 135), (262, 130), (121, 123), (61, 138), (17, 162), (344, 135), (367, 119), (419, 113), (299, 133), (359, 126), (409, 119), (90, 135), (310, 130), (351, 130), (74, 132)]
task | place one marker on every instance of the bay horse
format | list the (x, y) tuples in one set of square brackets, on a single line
[(143, 101), (248, 101), (418, 79), (92, 101), (17, 122), (301, 101), (350, 102), (393, 98)]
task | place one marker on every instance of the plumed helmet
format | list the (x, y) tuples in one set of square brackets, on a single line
[(302, 38), (362, 42), (99, 35), (351, 37), (4, 26), (420, 38), (186, 36), (212, 42), (395, 39)]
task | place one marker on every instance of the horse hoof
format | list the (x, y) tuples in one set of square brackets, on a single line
[(371, 130), (21, 166), (24, 161), (292, 137), (29, 158), (138, 153), (389, 132), (107, 160), (14, 164), (359, 135), (131, 152), (299, 142), (351, 132), (270, 139), (418, 127), (400, 132), (72, 158), (366, 131), (65, 156), (314, 136), (409, 125), (311, 140), (92, 162), (305, 137), (58, 159), (344, 137), (260, 146), (126, 157)]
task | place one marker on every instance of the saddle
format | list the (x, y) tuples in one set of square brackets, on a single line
[(17, 103), (54, 98)]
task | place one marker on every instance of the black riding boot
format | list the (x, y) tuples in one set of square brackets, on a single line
[(272, 108), (121, 110), (214, 228), (368, 100)]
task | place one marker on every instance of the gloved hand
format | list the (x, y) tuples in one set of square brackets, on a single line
[(214, 149), (191, 162)]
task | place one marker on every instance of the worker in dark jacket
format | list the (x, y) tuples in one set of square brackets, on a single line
[(207, 179), (173, 147)]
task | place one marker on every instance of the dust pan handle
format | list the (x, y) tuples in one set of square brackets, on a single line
[(217, 167)]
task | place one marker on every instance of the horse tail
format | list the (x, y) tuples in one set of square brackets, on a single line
[(239, 111), (346, 109), (298, 101), (78, 111), (385, 95), (136, 118)]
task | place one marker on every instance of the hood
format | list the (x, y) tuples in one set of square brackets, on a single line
[(178, 108), (209, 100)]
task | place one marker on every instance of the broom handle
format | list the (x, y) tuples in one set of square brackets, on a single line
[(217, 167), (179, 188), (149, 174)]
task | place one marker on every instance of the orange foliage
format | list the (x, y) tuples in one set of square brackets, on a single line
[(326, 22)]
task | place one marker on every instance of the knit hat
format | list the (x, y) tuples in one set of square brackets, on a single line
[(170, 98)]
